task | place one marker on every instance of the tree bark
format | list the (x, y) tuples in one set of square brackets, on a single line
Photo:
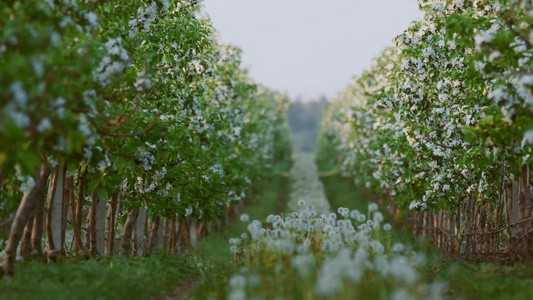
[(76, 226), (79, 209), (51, 194), (87, 240), (184, 230), (514, 208), (110, 225), (25, 247), (54, 212), (138, 233), (172, 238), (1, 179), (92, 224), (19, 222), (118, 211), (154, 235), (101, 217), (38, 220), (127, 232), (65, 206)]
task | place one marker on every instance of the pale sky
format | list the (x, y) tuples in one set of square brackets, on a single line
[(309, 47)]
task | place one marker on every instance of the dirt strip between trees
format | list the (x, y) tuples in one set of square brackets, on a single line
[(182, 291)]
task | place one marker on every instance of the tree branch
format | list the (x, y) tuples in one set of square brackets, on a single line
[(154, 123)]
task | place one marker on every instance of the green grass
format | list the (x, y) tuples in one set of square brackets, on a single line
[(140, 278), (120, 278), (214, 251), (469, 280), (216, 246), (466, 280), (342, 192)]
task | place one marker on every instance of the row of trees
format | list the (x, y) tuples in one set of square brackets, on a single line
[(114, 110), (442, 121)]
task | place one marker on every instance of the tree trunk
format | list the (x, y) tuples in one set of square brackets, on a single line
[(1, 179), (161, 235), (80, 200), (78, 244), (65, 206), (110, 225), (154, 235), (514, 206), (171, 238), (475, 236), (50, 198), (19, 222), (118, 210), (54, 212), (100, 219), (25, 247), (38, 220), (453, 233), (127, 232), (138, 233), (184, 229), (87, 240), (92, 224), (469, 223), (93, 251)]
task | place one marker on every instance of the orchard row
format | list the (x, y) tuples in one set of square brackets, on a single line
[(443, 121), (111, 110)]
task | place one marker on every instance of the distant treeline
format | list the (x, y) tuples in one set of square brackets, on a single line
[(304, 120)]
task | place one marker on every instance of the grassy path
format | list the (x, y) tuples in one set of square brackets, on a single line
[(313, 250), (213, 252)]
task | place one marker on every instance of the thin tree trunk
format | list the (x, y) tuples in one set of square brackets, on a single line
[(19, 222), (172, 238), (66, 203), (100, 219), (54, 212), (138, 233), (92, 224), (74, 217), (118, 211), (453, 233), (38, 220), (154, 235), (165, 234), (458, 224), (496, 220), (87, 239), (515, 210), (25, 247), (110, 225), (482, 225), (184, 229), (80, 200), (474, 229), (127, 232), (469, 226), (525, 193), (161, 232), (1, 179)]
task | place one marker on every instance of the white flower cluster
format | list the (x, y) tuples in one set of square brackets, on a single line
[(306, 186), (346, 247), (433, 119), (147, 159)]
